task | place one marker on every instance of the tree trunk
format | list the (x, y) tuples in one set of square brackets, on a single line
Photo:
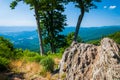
[(39, 31), (80, 18)]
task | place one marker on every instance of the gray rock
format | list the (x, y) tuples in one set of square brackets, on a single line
[(89, 62)]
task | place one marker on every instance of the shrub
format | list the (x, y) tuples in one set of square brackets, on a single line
[(56, 55), (61, 50), (115, 37), (70, 37), (31, 56), (35, 58), (95, 42), (48, 64), (6, 48), (18, 53), (29, 53), (4, 63)]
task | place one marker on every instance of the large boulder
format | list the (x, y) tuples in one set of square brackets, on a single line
[(89, 62)]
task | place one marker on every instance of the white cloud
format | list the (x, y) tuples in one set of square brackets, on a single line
[(112, 7), (105, 7)]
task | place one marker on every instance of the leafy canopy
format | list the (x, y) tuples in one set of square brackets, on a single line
[(86, 4), (40, 4)]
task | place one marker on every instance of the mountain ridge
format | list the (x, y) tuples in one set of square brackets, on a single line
[(32, 28), (20, 39)]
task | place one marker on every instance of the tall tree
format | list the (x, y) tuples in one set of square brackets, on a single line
[(54, 22), (84, 6), (37, 5)]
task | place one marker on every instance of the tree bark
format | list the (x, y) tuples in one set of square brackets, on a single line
[(80, 18), (39, 31)]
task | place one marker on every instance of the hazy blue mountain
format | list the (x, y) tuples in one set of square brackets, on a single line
[(4, 29), (92, 33), (24, 39), (27, 38)]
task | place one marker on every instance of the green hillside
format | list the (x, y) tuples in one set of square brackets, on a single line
[(115, 36)]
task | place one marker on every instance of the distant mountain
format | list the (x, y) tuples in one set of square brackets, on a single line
[(27, 38), (4, 29), (24, 39), (92, 33)]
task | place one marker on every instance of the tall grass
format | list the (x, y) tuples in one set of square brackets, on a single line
[(48, 64)]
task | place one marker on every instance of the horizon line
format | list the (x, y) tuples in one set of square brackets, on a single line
[(64, 26)]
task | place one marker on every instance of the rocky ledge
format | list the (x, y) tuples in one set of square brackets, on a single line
[(89, 62)]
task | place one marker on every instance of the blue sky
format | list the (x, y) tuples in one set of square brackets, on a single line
[(107, 13)]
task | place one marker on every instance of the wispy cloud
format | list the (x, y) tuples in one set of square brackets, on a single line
[(112, 7), (109, 7)]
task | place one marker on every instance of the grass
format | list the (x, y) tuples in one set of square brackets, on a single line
[(94, 42), (29, 68), (24, 61), (56, 55), (33, 64), (27, 62), (48, 64)]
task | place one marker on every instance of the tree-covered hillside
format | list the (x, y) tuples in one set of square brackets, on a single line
[(115, 36), (29, 39)]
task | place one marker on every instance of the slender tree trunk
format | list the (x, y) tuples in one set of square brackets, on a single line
[(39, 31), (80, 18)]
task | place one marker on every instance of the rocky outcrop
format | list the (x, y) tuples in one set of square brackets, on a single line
[(89, 62)]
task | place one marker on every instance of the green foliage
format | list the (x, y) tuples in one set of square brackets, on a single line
[(31, 56), (6, 48), (56, 55), (69, 38), (50, 13), (48, 64), (37, 58), (4, 63), (5, 42), (13, 4), (53, 22), (6, 53), (18, 53), (115, 37), (95, 42), (29, 53), (37, 6), (86, 4), (61, 50)]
